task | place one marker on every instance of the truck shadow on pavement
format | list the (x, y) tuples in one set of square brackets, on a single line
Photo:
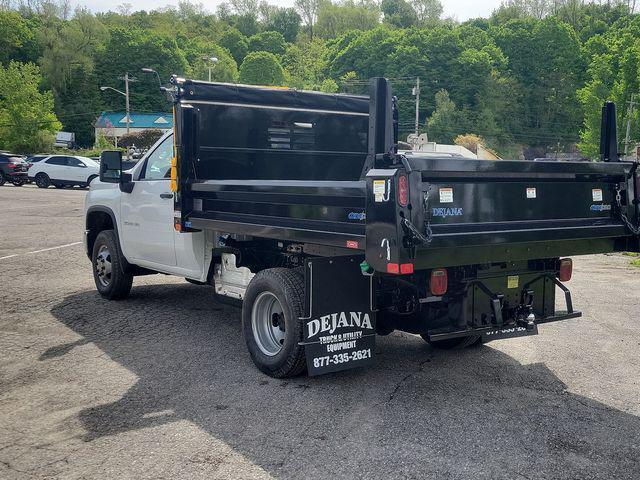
[(418, 413)]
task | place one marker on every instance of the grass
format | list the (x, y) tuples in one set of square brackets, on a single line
[(635, 262), (631, 254)]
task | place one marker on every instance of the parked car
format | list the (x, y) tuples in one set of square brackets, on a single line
[(36, 158), (13, 169), (64, 171)]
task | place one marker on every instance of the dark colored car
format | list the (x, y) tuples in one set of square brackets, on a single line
[(13, 169)]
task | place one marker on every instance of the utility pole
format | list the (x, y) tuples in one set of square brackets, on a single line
[(127, 79), (416, 93), (629, 115)]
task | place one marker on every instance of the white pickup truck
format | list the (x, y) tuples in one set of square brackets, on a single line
[(140, 227), (135, 230)]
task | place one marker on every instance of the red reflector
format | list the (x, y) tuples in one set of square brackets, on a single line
[(566, 269), (403, 190), (406, 268), (439, 282), (352, 244), (393, 268)]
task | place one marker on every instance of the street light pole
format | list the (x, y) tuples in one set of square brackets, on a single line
[(213, 61), (126, 79), (416, 93), (126, 95)]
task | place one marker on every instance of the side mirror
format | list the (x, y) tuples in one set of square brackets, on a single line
[(111, 166)]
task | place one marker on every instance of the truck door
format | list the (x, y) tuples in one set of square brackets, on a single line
[(147, 212)]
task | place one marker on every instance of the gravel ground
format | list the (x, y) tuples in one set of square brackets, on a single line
[(161, 386)]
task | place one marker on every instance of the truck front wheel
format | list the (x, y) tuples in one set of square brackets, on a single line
[(271, 311), (453, 343), (110, 278)]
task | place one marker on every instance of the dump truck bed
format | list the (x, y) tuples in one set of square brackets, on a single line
[(297, 166)]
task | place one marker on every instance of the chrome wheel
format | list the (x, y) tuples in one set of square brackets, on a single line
[(267, 323), (103, 266)]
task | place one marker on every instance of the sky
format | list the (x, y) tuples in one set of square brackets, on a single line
[(459, 9)]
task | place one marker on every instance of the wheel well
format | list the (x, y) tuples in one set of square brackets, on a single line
[(97, 222)]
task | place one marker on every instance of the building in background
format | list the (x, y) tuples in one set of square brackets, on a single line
[(113, 125)]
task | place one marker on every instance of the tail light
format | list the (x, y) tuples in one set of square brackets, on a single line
[(566, 269), (12, 165), (439, 282), (403, 190)]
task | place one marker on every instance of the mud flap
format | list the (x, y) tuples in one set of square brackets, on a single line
[(340, 321)]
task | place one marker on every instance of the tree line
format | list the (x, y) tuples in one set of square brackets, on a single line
[(529, 79)]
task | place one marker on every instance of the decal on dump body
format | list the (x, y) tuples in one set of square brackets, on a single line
[(446, 195)]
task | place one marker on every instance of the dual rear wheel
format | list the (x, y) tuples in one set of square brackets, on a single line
[(271, 324)]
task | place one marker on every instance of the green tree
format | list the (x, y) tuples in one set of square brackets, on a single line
[(305, 65), (308, 10), (198, 52), (261, 68), (27, 121), (447, 122), (427, 11), (129, 50), (286, 21), (68, 46), (236, 43), (77, 105), (335, 19), (398, 13), (272, 42), (14, 35), (545, 57)]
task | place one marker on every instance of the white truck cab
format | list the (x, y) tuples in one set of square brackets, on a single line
[(143, 220)]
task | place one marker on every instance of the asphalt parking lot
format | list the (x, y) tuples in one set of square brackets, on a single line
[(160, 385)]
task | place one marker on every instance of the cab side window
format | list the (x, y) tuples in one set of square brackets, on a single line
[(158, 164)]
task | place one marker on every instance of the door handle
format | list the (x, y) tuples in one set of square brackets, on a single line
[(166, 195)]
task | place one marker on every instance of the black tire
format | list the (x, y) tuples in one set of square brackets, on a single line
[(2, 179), (287, 286), (58, 185), (106, 250), (42, 180), (453, 343), (19, 183)]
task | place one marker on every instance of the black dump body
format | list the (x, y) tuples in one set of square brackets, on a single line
[(321, 169)]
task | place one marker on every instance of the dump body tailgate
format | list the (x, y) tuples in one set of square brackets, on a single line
[(472, 211)]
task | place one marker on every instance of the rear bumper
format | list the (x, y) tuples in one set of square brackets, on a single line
[(488, 332)]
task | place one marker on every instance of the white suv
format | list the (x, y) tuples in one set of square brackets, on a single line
[(64, 171)]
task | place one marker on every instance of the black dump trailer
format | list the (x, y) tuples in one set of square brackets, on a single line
[(346, 238)]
